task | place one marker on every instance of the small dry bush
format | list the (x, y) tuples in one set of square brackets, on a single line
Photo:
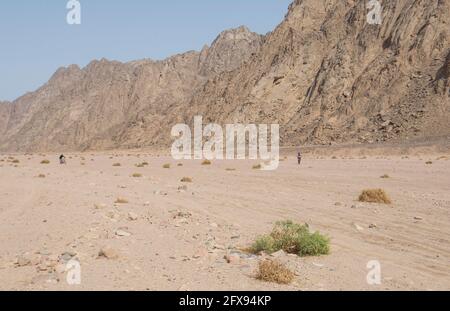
[(167, 165), (257, 167), (186, 179), (41, 176), (117, 164), (15, 161), (180, 164), (206, 162), (137, 175), (428, 162), (121, 201), (45, 162), (293, 239), (385, 176), (374, 196), (275, 272)]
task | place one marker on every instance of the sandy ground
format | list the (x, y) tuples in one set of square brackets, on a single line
[(176, 239)]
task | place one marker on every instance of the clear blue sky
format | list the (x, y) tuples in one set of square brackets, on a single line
[(35, 39)]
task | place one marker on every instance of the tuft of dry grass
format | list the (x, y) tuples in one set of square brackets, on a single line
[(15, 161), (186, 179), (137, 175), (45, 162), (257, 167), (385, 176), (180, 164), (117, 164), (167, 165), (374, 196), (206, 162), (275, 272), (41, 176), (121, 201), (428, 162)]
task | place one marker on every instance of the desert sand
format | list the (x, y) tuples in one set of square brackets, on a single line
[(174, 236)]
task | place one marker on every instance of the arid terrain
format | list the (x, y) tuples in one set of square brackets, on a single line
[(176, 236)]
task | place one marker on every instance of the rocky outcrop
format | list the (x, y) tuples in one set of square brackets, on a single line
[(324, 74)]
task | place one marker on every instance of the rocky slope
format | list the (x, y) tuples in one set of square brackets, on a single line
[(324, 74), (99, 106)]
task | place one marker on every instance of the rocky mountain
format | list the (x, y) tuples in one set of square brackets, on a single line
[(324, 74), (99, 106)]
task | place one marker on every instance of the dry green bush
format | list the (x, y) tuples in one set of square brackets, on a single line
[(293, 239)]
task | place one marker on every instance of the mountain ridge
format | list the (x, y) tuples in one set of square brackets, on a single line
[(324, 74)]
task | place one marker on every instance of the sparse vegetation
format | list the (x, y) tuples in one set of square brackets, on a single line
[(180, 164), (257, 167), (274, 271), (375, 196), (293, 239), (428, 162), (385, 176), (230, 169), (143, 164), (167, 165), (15, 161), (206, 162), (41, 176), (45, 162), (186, 179), (121, 201), (117, 164), (137, 175)]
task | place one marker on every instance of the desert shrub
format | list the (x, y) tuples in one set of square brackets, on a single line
[(374, 196), (45, 162), (274, 271), (294, 239), (257, 167), (186, 179), (15, 161), (206, 162), (385, 176), (137, 175), (180, 164), (121, 201), (167, 165), (428, 162), (117, 164), (41, 176)]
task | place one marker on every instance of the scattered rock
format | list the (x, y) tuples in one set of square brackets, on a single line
[(372, 226), (280, 253), (108, 253), (232, 258), (132, 216), (122, 233)]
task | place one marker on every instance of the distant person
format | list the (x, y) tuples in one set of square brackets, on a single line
[(299, 158), (62, 159)]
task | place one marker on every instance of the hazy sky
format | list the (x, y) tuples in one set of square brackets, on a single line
[(35, 38)]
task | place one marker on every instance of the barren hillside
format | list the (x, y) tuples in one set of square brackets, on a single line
[(324, 74)]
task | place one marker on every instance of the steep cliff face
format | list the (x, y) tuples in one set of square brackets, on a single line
[(326, 75), (102, 104)]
